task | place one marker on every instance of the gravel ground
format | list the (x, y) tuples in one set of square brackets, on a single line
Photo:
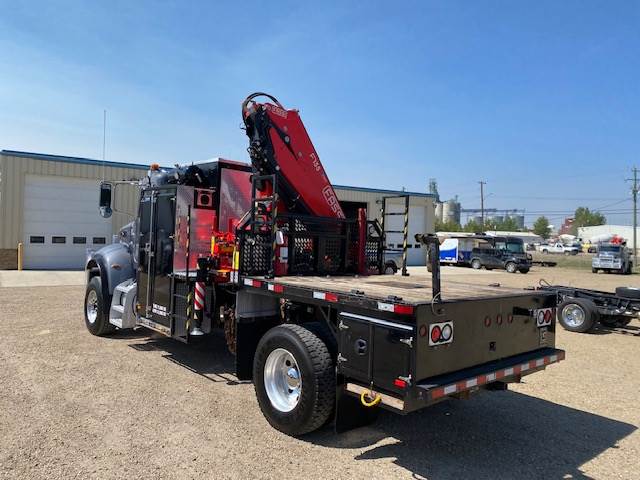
[(137, 406)]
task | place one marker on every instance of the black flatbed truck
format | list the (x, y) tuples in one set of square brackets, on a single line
[(264, 253)]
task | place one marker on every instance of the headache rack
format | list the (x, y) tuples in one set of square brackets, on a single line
[(314, 246)]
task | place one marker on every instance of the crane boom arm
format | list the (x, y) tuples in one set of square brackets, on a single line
[(279, 144)]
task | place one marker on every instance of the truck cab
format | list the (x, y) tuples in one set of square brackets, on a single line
[(612, 257)]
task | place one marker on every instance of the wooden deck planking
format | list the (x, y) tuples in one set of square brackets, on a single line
[(413, 289)]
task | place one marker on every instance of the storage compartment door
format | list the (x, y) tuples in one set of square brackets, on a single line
[(374, 350)]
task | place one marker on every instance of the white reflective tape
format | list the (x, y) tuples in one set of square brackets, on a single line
[(270, 287), (472, 383), (524, 366), (387, 307), (539, 362), (554, 358), (319, 295), (508, 371), (248, 282), (491, 377), (449, 389)]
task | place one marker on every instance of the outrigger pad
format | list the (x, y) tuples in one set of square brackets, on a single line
[(350, 413)]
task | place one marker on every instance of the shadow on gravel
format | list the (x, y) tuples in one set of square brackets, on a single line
[(501, 435), (208, 357)]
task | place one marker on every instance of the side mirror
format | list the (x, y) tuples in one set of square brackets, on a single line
[(105, 200)]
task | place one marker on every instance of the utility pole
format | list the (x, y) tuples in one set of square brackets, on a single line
[(634, 194), (104, 143), (482, 184)]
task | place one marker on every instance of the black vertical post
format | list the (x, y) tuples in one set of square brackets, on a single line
[(405, 234), (434, 259)]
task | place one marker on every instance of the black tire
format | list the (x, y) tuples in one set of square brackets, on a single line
[(317, 372), (594, 270), (524, 270), (100, 324), (390, 268), (545, 251), (511, 267), (476, 264), (590, 315), (628, 292)]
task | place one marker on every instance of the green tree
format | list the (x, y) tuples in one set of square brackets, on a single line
[(541, 227), (584, 217), (472, 227), (448, 226)]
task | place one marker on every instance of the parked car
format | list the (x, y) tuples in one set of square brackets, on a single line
[(613, 258), (559, 248), (509, 255)]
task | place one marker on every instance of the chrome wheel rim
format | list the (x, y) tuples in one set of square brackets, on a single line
[(573, 315), (282, 380), (92, 306), (511, 268)]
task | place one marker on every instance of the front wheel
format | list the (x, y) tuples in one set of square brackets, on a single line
[(96, 309), (578, 315), (294, 378), (511, 267)]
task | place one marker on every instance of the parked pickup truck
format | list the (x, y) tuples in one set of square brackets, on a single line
[(559, 248), (612, 258)]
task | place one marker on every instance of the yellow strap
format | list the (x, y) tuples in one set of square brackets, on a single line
[(373, 402)]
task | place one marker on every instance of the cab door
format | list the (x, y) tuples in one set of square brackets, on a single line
[(155, 254)]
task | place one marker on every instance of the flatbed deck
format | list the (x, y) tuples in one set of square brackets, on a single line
[(414, 289)]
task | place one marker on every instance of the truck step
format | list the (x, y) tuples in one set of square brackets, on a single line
[(124, 288), (118, 308)]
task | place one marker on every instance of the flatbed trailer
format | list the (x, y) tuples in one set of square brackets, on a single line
[(581, 309)]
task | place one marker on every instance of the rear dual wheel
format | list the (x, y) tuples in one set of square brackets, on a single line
[(294, 378)]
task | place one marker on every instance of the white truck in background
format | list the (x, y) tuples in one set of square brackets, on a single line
[(559, 247)]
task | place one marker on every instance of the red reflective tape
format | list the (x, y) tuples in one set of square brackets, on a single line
[(482, 379), (532, 364), (516, 370), (499, 374), (547, 360), (461, 385), (560, 356), (403, 309), (275, 288), (256, 283), (437, 393), (331, 297)]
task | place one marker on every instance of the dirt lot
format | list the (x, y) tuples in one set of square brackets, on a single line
[(136, 406)]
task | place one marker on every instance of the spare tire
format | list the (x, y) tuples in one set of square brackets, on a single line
[(628, 292)]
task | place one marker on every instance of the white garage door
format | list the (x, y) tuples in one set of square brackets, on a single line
[(61, 221), (416, 253)]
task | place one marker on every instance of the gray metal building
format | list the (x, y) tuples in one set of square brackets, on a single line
[(49, 204)]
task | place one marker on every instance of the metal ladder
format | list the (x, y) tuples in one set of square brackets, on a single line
[(404, 231)]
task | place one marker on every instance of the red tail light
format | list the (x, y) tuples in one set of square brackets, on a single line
[(435, 334), (398, 382)]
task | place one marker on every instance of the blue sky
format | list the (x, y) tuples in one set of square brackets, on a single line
[(540, 99)]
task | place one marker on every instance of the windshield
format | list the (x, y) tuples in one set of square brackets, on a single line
[(610, 248), (515, 247)]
